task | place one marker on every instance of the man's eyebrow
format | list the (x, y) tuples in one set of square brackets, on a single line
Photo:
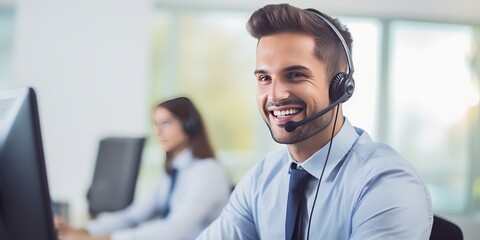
[(295, 68), (287, 69), (259, 71)]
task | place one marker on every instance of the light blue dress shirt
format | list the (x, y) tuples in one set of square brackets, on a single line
[(368, 191), (201, 192)]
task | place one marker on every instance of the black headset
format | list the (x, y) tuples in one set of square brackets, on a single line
[(342, 84), (190, 123)]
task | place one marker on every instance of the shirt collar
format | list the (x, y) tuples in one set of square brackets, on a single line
[(183, 159), (341, 145)]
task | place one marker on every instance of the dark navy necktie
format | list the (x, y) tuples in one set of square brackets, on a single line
[(296, 203), (173, 178)]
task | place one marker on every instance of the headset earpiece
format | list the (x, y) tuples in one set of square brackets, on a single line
[(343, 83), (340, 85)]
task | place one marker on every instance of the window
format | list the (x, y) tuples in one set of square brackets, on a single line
[(209, 57), (434, 101), (361, 109)]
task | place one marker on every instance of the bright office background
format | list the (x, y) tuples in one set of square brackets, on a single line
[(99, 67)]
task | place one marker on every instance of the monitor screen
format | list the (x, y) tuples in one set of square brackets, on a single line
[(25, 206)]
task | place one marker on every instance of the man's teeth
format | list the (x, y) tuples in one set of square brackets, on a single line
[(285, 113)]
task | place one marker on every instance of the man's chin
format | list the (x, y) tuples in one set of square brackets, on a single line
[(279, 135), (283, 137)]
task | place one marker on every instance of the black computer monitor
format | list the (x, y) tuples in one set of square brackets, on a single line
[(25, 206)]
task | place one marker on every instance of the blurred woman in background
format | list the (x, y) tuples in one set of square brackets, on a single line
[(185, 200)]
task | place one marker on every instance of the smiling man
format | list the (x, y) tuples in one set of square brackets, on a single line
[(331, 181)]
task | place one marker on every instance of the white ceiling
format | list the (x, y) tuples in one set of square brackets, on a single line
[(463, 11), (466, 11)]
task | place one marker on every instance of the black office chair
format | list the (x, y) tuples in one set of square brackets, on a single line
[(443, 229), (115, 175)]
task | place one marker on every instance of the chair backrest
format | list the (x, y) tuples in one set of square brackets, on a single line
[(443, 229), (115, 175)]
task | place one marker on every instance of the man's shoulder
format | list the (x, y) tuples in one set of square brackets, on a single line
[(369, 151), (376, 158)]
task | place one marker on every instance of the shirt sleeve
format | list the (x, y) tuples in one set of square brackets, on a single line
[(393, 204), (207, 194), (236, 220)]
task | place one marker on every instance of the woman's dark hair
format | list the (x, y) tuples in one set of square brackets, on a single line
[(280, 18), (184, 110)]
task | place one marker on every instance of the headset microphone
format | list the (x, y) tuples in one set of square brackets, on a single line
[(290, 126)]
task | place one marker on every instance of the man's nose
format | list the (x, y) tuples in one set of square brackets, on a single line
[(278, 91)]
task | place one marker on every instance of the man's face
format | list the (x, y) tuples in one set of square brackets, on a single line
[(292, 85)]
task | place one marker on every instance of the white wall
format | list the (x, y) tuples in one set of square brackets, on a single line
[(88, 61)]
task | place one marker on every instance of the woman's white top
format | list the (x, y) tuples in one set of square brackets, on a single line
[(201, 191)]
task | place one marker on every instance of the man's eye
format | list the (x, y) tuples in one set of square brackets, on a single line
[(263, 78), (295, 75)]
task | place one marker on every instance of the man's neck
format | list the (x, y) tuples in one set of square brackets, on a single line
[(303, 150)]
